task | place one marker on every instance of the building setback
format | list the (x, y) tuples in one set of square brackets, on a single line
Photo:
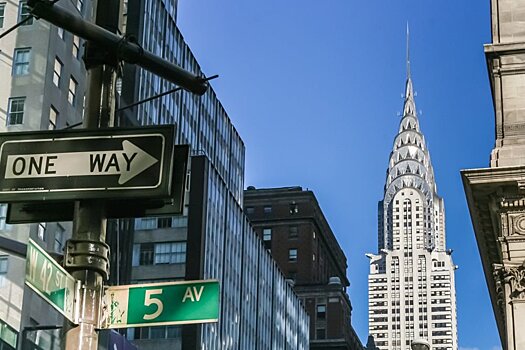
[(294, 229), (411, 281), (496, 195), (42, 88)]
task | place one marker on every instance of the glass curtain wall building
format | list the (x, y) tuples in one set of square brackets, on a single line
[(259, 310)]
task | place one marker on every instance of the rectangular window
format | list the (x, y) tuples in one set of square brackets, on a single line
[(60, 32), (80, 5), (145, 224), (146, 254), (24, 13), (21, 61), (292, 232), (4, 263), (267, 234), (16, 110), (2, 14), (320, 333), (72, 94), (3, 216), (268, 209), (59, 238), (321, 312), (57, 72), (41, 233), (76, 46), (250, 210), (292, 254), (170, 253), (164, 222), (53, 117)]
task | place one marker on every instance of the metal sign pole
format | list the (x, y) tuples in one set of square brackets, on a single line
[(87, 254)]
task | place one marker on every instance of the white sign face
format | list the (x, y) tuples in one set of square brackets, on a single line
[(128, 163), (83, 164)]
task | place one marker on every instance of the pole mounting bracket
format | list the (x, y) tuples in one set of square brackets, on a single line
[(87, 255)]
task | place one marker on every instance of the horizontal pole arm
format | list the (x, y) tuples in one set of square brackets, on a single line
[(118, 45)]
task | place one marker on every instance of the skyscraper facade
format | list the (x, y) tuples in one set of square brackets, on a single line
[(212, 238), (411, 281)]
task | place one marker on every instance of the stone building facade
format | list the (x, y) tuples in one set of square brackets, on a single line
[(496, 195)]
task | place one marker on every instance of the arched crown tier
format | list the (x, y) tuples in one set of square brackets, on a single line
[(409, 164)]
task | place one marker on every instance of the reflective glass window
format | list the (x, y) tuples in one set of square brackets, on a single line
[(292, 254), (24, 13), (2, 14), (21, 61), (4, 263), (267, 234), (16, 110)]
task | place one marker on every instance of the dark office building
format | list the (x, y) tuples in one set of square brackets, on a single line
[(294, 229), (212, 239)]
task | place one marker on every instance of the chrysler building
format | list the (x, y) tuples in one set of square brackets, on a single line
[(411, 289)]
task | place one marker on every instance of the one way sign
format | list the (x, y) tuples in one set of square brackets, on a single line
[(81, 164)]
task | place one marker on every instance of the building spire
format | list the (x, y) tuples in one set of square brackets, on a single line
[(409, 164), (408, 53)]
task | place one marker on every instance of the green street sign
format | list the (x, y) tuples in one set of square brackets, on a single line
[(49, 280), (156, 304)]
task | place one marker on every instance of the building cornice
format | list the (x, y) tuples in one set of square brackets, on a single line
[(490, 191)]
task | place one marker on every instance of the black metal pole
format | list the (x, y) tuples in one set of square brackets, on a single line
[(87, 253), (117, 45)]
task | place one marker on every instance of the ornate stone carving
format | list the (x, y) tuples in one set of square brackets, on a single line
[(521, 186), (513, 276), (500, 290), (512, 224), (519, 224), (516, 277), (512, 202), (504, 224)]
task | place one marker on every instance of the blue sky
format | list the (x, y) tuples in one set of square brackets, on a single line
[(314, 89)]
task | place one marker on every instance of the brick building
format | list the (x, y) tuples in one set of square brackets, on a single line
[(293, 228)]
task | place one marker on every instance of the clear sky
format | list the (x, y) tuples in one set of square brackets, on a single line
[(314, 89)]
